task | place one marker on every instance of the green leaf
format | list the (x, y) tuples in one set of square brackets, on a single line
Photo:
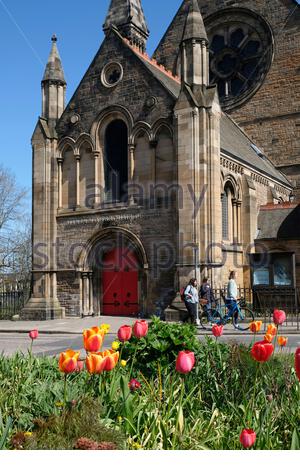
[(295, 440), (180, 420), (5, 432)]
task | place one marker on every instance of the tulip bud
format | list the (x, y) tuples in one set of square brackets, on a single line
[(297, 363), (33, 334), (248, 438), (68, 361), (282, 341), (279, 317), (185, 362), (217, 330), (115, 345), (262, 351), (134, 385), (140, 329), (124, 333)]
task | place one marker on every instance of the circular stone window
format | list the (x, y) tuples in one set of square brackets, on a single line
[(112, 74), (241, 53)]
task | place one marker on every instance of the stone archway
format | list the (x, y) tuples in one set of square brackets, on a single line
[(114, 274)]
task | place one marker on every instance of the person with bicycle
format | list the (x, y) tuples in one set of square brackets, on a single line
[(191, 300), (206, 295), (231, 299)]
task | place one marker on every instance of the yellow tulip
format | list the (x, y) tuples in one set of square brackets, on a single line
[(123, 363), (115, 345), (272, 329), (105, 327), (93, 339), (269, 338), (255, 326), (68, 361), (103, 361), (282, 341)]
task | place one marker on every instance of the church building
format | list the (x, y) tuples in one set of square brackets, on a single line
[(155, 171)]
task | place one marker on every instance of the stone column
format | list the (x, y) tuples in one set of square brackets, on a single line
[(131, 169), (77, 180), (91, 295), (81, 295), (85, 292), (239, 235), (97, 191), (234, 220), (101, 177), (60, 163), (153, 144)]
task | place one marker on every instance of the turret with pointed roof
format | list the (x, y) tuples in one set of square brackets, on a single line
[(53, 85), (128, 16), (194, 48)]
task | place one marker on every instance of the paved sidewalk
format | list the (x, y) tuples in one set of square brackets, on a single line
[(75, 326)]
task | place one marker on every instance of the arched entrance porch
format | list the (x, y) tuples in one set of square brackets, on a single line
[(114, 277)]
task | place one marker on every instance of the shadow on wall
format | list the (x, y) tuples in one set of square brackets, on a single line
[(290, 227)]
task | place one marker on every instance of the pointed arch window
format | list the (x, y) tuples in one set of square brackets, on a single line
[(228, 213), (116, 161)]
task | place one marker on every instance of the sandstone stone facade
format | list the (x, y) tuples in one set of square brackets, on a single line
[(144, 160)]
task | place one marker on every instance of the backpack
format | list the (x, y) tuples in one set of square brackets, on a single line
[(182, 291)]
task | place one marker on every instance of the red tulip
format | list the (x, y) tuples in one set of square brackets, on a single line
[(134, 385), (33, 334), (297, 363), (185, 362), (279, 317), (247, 438), (262, 351), (217, 330), (124, 333), (140, 329)]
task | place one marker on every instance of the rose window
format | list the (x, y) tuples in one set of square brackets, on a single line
[(241, 51)]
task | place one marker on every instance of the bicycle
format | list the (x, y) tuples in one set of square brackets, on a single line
[(240, 314)]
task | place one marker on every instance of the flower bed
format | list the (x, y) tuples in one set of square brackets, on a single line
[(157, 388)]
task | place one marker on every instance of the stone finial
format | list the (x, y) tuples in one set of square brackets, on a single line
[(129, 18), (54, 70), (194, 26)]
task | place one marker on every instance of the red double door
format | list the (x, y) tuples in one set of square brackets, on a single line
[(120, 283)]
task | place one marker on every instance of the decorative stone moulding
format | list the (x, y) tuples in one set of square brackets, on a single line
[(75, 118), (151, 102), (241, 54), (112, 74)]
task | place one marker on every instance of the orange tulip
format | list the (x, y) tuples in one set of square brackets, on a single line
[(255, 326), (68, 361), (268, 338), (93, 339), (282, 341), (103, 361), (272, 329)]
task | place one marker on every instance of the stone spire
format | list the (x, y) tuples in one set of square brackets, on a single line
[(53, 85), (54, 70), (194, 26), (194, 48), (128, 16)]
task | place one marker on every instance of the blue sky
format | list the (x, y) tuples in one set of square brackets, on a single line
[(25, 31)]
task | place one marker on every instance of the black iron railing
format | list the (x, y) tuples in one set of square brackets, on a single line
[(12, 302)]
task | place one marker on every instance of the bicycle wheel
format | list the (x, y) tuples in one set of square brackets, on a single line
[(207, 319), (242, 318)]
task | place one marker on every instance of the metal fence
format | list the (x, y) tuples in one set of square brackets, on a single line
[(12, 302), (264, 301)]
